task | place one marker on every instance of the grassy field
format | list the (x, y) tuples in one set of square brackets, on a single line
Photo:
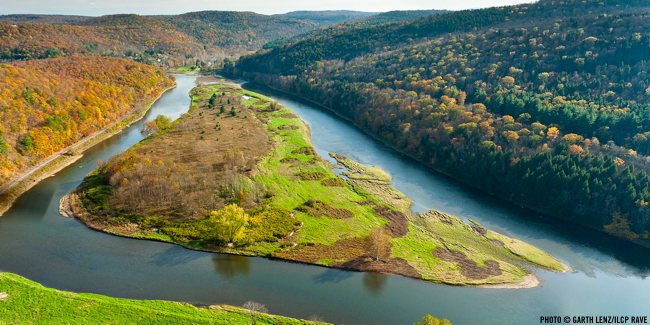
[(236, 147), (26, 302)]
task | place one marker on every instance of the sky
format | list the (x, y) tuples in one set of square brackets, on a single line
[(160, 7)]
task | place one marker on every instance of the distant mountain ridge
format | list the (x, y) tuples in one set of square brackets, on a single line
[(328, 17), (168, 40)]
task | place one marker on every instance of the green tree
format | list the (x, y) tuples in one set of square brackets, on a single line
[(4, 146), (28, 143), (160, 123), (213, 101)]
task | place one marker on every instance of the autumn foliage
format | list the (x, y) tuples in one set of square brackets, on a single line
[(48, 105), (552, 116)]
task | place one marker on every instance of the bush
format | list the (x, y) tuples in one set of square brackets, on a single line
[(270, 225)]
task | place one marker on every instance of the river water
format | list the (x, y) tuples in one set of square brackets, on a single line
[(608, 276)]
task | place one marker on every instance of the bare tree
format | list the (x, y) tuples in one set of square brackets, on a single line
[(254, 310)]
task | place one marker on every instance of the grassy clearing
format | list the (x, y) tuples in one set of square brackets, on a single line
[(297, 207), (31, 303), (188, 69)]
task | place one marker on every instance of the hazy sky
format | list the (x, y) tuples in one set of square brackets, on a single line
[(103, 7)]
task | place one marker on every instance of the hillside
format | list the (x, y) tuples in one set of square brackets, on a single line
[(237, 174), (398, 16), (169, 41), (48, 105), (36, 18), (237, 33), (328, 17), (544, 105), (148, 42)]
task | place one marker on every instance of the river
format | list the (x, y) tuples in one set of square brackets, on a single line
[(608, 276)]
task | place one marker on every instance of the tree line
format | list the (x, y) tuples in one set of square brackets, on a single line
[(549, 114)]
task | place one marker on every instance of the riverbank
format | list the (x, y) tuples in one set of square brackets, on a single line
[(25, 301), (247, 151), (28, 179), (541, 212)]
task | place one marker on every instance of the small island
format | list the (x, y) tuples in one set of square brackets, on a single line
[(237, 174)]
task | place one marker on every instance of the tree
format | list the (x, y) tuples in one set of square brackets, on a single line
[(232, 111), (430, 320), (508, 81), (378, 244), (254, 310), (212, 101), (552, 133), (620, 227), (28, 143), (228, 224), (160, 123), (4, 146)]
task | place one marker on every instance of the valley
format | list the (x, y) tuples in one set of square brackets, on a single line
[(342, 166), (237, 154)]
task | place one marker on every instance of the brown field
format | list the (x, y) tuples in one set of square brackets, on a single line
[(165, 176)]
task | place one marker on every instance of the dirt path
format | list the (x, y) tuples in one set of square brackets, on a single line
[(65, 151)]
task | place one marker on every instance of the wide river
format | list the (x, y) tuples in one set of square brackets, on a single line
[(608, 276)]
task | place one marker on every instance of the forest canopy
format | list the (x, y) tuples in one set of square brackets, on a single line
[(48, 105), (545, 105)]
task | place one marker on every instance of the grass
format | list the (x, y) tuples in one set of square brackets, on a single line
[(528, 252), (188, 69), (32, 303), (319, 217)]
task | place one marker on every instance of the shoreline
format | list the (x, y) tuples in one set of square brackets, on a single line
[(67, 156), (68, 209), (403, 153), (72, 205), (529, 281)]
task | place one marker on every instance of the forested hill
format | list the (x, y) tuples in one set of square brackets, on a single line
[(400, 16), (546, 105), (47, 105), (49, 19), (206, 36), (351, 40), (327, 17)]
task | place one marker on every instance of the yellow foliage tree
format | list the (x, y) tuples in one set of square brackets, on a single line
[(228, 224), (552, 133)]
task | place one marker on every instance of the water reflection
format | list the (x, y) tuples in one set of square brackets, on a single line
[(231, 266), (374, 282), (175, 255), (332, 276)]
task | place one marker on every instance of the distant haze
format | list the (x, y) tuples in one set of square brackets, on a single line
[(153, 7)]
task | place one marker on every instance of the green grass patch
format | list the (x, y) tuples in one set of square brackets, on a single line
[(30, 303)]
